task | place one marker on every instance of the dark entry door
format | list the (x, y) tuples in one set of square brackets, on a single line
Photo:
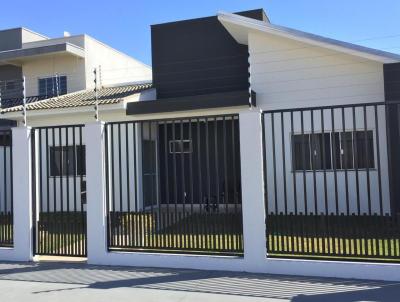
[(59, 191), (201, 161)]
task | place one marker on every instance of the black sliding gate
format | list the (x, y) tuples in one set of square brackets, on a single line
[(331, 177), (6, 193), (174, 185), (59, 191)]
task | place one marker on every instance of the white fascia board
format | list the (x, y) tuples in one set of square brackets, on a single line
[(239, 27), (63, 111)]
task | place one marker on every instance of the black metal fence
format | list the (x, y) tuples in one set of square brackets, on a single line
[(331, 176), (174, 185), (59, 191), (6, 192)]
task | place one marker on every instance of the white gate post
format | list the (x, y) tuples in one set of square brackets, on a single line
[(93, 135), (22, 197), (251, 157)]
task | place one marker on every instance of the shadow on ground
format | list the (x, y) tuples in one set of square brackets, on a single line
[(297, 289)]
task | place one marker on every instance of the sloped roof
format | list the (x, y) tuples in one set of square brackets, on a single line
[(238, 26), (108, 95)]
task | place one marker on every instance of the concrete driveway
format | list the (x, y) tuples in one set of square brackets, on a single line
[(75, 282)]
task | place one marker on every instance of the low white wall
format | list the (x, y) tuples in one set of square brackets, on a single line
[(254, 259)]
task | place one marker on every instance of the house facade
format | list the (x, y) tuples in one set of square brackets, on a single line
[(255, 146)]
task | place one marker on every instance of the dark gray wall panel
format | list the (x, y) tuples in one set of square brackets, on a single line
[(198, 56)]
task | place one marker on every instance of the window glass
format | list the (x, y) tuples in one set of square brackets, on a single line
[(53, 86), (338, 150), (62, 161)]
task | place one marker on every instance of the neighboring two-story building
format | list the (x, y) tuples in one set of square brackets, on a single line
[(57, 66)]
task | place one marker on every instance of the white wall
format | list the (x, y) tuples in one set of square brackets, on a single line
[(289, 74), (49, 66), (116, 67)]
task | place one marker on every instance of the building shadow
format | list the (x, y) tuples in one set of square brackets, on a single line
[(289, 288)]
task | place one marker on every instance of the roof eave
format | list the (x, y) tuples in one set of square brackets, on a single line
[(240, 27)]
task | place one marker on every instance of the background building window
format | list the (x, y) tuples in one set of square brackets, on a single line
[(338, 150), (52, 86), (62, 161)]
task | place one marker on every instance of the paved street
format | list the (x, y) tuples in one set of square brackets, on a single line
[(74, 282)]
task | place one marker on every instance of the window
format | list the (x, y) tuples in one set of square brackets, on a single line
[(53, 86), (62, 161), (180, 146), (311, 151), (338, 150)]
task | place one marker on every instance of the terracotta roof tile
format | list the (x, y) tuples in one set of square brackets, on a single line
[(108, 95)]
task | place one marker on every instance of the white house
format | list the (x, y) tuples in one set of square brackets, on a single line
[(253, 141)]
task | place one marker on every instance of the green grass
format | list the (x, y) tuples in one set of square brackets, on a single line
[(334, 247)]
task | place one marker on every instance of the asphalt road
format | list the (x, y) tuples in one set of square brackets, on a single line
[(74, 282)]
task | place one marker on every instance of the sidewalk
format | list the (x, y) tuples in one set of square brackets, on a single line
[(81, 282)]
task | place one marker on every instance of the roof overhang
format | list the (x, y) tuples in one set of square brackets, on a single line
[(197, 102), (240, 27), (24, 54)]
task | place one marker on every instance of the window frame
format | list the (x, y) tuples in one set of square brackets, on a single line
[(52, 77), (333, 165)]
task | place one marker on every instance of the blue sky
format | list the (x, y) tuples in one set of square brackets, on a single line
[(125, 24)]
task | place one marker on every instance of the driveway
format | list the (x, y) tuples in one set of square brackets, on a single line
[(74, 282)]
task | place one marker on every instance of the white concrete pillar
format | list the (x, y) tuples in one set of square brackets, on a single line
[(22, 197), (251, 158), (93, 135)]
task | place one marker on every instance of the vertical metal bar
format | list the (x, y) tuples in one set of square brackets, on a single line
[(284, 161), (355, 147), (76, 235), (227, 236), (314, 218), (378, 157), (62, 235), (334, 161), (128, 195), (304, 163), (114, 223), (150, 221), (54, 223), (217, 187), (274, 163), (121, 237), (346, 177), (107, 174), (11, 222), (200, 183), (183, 181), (191, 180), (68, 214), (293, 164), (4, 139), (135, 182), (166, 167), (175, 182), (324, 159), (208, 183), (366, 159), (83, 251)]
